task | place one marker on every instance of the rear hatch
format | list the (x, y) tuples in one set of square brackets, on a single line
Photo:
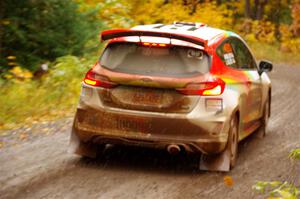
[(149, 75)]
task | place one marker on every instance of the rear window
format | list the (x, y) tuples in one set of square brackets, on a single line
[(174, 61)]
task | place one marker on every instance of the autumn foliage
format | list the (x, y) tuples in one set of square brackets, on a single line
[(272, 22), (36, 32)]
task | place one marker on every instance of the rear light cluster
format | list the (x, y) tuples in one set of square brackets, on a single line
[(210, 88), (93, 79), (214, 87)]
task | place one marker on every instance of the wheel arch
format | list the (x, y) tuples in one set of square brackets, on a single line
[(236, 113)]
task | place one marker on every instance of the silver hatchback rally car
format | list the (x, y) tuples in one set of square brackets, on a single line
[(182, 86)]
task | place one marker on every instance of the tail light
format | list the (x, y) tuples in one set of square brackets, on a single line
[(94, 79), (154, 44), (209, 88)]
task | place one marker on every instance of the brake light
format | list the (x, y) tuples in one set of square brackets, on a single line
[(94, 79), (154, 44), (209, 88), (214, 91)]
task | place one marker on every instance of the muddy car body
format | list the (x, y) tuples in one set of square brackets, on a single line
[(183, 86)]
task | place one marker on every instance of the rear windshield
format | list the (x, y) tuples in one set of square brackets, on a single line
[(156, 61)]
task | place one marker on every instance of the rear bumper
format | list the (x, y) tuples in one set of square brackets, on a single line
[(196, 134)]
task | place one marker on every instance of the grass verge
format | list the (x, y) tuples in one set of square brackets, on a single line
[(273, 54), (54, 96)]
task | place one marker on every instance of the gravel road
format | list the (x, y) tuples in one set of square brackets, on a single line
[(34, 162)]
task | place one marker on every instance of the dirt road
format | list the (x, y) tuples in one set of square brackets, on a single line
[(40, 167)]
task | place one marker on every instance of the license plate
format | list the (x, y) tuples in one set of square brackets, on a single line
[(133, 124), (147, 97)]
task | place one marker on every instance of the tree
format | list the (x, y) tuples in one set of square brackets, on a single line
[(35, 31)]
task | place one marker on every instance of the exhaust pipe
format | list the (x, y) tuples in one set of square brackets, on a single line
[(173, 149)]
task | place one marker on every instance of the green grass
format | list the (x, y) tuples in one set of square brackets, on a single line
[(52, 97), (273, 54)]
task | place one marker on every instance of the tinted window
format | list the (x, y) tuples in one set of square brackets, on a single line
[(158, 61), (225, 52), (243, 55)]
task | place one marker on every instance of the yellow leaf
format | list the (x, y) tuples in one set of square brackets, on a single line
[(228, 181), (12, 63), (8, 76), (27, 74), (11, 57), (5, 22)]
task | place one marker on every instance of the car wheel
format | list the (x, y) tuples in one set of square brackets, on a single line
[(233, 139), (264, 121), (227, 159)]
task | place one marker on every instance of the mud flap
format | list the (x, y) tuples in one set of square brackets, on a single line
[(80, 148), (218, 162)]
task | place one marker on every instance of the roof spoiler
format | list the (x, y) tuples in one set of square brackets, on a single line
[(115, 33)]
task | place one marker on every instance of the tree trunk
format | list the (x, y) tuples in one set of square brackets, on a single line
[(194, 6), (248, 13), (219, 2), (1, 27), (259, 8), (256, 3), (276, 19)]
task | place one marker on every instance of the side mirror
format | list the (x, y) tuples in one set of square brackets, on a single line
[(265, 66)]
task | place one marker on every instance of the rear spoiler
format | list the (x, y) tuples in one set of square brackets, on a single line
[(115, 33)]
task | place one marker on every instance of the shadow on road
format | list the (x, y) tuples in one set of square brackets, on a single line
[(144, 159), (141, 159)]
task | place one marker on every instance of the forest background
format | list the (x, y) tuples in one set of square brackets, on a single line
[(46, 47)]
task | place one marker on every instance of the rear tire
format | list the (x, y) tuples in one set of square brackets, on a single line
[(233, 139), (227, 159), (262, 131)]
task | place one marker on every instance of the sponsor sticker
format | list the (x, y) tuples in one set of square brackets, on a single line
[(229, 58)]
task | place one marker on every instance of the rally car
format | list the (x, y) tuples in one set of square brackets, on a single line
[(180, 87)]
